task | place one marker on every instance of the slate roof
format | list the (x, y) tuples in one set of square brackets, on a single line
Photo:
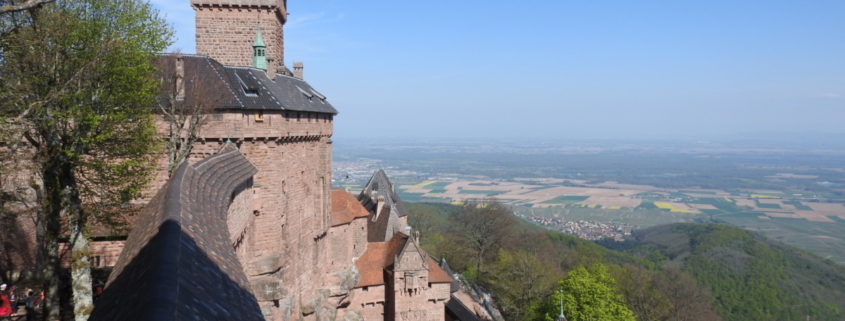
[(380, 185), (345, 208), (178, 262), (458, 311), (456, 285), (249, 88)]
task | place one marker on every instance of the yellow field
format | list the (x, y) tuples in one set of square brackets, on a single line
[(614, 207), (423, 184), (762, 196), (670, 207)]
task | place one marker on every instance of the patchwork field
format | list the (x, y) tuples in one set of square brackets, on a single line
[(549, 193), (794, 219)]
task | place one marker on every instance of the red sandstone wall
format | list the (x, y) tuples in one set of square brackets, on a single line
[(17, 242), (291, 191), (368, 301), (104, 253), (227, 33)]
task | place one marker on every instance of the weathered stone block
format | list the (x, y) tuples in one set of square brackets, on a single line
[(268, 288), (266, 264)]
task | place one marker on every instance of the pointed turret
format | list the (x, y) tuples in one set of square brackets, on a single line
[(259, 51)]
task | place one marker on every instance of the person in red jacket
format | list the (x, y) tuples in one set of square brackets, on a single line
[(5, 305)]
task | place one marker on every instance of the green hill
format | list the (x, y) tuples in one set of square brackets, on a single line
[(750, 277)]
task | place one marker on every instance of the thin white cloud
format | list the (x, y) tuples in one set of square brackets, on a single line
[(831, 95)]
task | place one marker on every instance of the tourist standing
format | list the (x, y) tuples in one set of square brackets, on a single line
[(29, 303), (5, 308), (13, 299)]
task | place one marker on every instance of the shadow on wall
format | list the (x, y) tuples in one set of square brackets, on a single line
[(172, 278), (14, 248)]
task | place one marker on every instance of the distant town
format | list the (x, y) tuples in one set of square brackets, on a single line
[(588, 230)]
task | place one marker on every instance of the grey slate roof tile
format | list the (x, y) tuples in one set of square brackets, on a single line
[(249, 88), (177, 263)]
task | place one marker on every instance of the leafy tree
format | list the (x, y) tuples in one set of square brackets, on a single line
[(688, 301), (481, 226), (521, 284), (185, 103), (589, 294), (637, 287), (77, 88)]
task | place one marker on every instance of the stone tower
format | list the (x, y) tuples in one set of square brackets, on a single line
[(225, 29)]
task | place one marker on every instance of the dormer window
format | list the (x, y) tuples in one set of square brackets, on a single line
[(248, 91)]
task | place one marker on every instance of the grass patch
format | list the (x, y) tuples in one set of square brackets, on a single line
[(437, 191), (711, 212), (744, 215), (836, 219), (798, 205), (569, 199), (766, 205), (724, 204)]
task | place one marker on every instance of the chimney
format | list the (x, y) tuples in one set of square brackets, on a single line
[(271, 68), (297, 70)]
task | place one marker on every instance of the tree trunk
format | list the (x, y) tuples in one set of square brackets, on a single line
[(80, 268), (50, 222)]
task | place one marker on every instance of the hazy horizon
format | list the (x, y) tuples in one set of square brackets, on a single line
[(567, 70)]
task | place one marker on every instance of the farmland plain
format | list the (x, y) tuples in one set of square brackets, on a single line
[(792, 193)]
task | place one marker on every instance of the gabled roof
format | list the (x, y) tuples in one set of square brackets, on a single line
[(380, 185), (345, 208), (379, 256), (249, 88), (376, 257)]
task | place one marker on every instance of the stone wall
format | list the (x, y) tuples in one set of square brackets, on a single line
[(226, 32), (290, 192), (103, 253), (368, 302)]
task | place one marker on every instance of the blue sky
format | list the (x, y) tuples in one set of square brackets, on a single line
[(567, 69)]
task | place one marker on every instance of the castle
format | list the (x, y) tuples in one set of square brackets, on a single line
[(249, 228)]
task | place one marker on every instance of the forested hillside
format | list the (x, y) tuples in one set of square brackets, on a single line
[(669, 272), (751, 277), (524, 265)]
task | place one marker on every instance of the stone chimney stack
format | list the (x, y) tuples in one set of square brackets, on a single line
[(271, 68), (297, 70)]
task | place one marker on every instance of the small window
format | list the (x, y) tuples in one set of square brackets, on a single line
[(298, 117), (365, 289), (287, 116), (259, 115)]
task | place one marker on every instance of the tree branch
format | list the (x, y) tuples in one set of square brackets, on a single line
[(29, 4)]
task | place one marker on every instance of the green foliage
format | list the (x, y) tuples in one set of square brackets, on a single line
[(522, 283), (569, 199), (751, 277), (590, 294)]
